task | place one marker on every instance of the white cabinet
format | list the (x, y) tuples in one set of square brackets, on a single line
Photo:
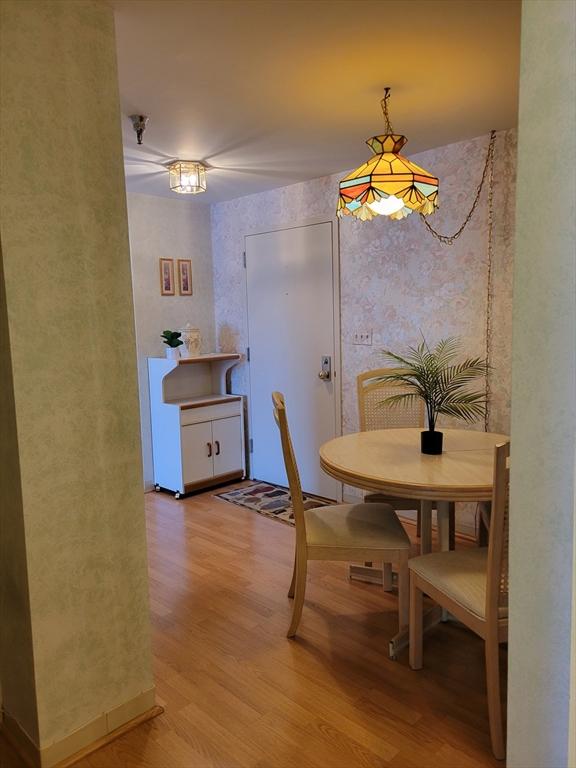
[(197, 428), (228, 448), (197, 452), (211, 449)]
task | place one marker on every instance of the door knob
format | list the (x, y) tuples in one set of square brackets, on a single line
[(326, 370)]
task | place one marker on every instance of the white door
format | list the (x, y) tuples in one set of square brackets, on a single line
[(291, 328), (228, 447), (197, 452)]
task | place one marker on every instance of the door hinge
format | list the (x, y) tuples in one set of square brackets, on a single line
[(248, 354), (244, 259), (251, 445)]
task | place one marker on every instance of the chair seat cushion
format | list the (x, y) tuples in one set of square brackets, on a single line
[(363, 526), (460, 575)]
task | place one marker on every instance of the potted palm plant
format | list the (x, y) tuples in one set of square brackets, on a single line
[(435, 376)]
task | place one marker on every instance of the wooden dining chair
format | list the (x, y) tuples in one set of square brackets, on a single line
[(341, 532), (373, 415), (472, 585)]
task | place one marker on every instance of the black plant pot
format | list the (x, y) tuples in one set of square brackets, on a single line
[(431, 442)]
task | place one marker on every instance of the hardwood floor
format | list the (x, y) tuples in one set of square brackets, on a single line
[(238, 693)]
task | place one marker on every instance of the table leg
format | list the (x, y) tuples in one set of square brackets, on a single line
[(443, 517), (373, 574), (425, 527), (401, 640), (387, 579), (367, 573), (484, 523), (443, 514), (452, 525)]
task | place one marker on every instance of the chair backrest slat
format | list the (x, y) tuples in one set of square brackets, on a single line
[(290, 463), (497, 571), (373, 415)]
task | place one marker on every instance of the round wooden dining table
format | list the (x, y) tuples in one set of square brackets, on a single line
[(389, 461)]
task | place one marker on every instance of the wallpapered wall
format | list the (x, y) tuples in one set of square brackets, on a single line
[(173, 228), (396, 279), (76, 530)]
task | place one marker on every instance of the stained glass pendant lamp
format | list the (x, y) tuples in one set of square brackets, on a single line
[(187, 177), (387, 184)]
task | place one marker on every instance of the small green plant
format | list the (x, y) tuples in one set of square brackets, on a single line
[(434, 376), (172, 338)]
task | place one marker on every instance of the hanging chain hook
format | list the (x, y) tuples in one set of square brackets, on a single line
[(384, 105), (139, 123)]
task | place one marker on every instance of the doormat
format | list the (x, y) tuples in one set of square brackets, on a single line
[(270, 500)]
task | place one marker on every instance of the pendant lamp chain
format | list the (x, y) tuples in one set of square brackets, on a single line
[(384, 105), (482, 508), (449, 239), (487, 173), (489, 284)]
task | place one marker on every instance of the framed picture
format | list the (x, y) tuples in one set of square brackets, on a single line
[(167, 277), (185, 277)]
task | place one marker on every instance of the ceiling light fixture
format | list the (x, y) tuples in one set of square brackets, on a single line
[(187, 177), (387, 184)]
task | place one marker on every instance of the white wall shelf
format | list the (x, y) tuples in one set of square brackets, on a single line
[(210, 357), (197, 427)]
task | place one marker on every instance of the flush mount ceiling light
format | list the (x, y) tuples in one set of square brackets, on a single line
[(387, 184), (187, 177)]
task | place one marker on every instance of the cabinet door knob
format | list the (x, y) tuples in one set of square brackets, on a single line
[(209, 446), (217, 447)]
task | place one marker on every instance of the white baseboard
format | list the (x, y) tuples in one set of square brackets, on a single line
[(89, 737)]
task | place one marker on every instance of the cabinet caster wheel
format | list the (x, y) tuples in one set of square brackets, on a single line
[(177, 495), (157, 488)]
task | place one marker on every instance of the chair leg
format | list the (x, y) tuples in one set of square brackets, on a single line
[(293, 582), (452, 526), (299, 591), (418, 524), (494, 703), (403, 593), (387, 582), (415, 632)]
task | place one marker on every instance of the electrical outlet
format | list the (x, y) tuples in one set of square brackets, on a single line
[(363, 337)]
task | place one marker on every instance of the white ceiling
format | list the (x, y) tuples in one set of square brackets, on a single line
[(271, 92)]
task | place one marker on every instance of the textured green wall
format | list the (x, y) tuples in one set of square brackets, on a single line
[(16, 669), (71, 344), (542, 470)]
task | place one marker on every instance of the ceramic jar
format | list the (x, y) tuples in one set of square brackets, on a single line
[(191, 341)]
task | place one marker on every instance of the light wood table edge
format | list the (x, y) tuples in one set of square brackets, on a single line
[(416, 492)]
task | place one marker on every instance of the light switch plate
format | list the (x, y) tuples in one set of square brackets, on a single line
[(363, 337)]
